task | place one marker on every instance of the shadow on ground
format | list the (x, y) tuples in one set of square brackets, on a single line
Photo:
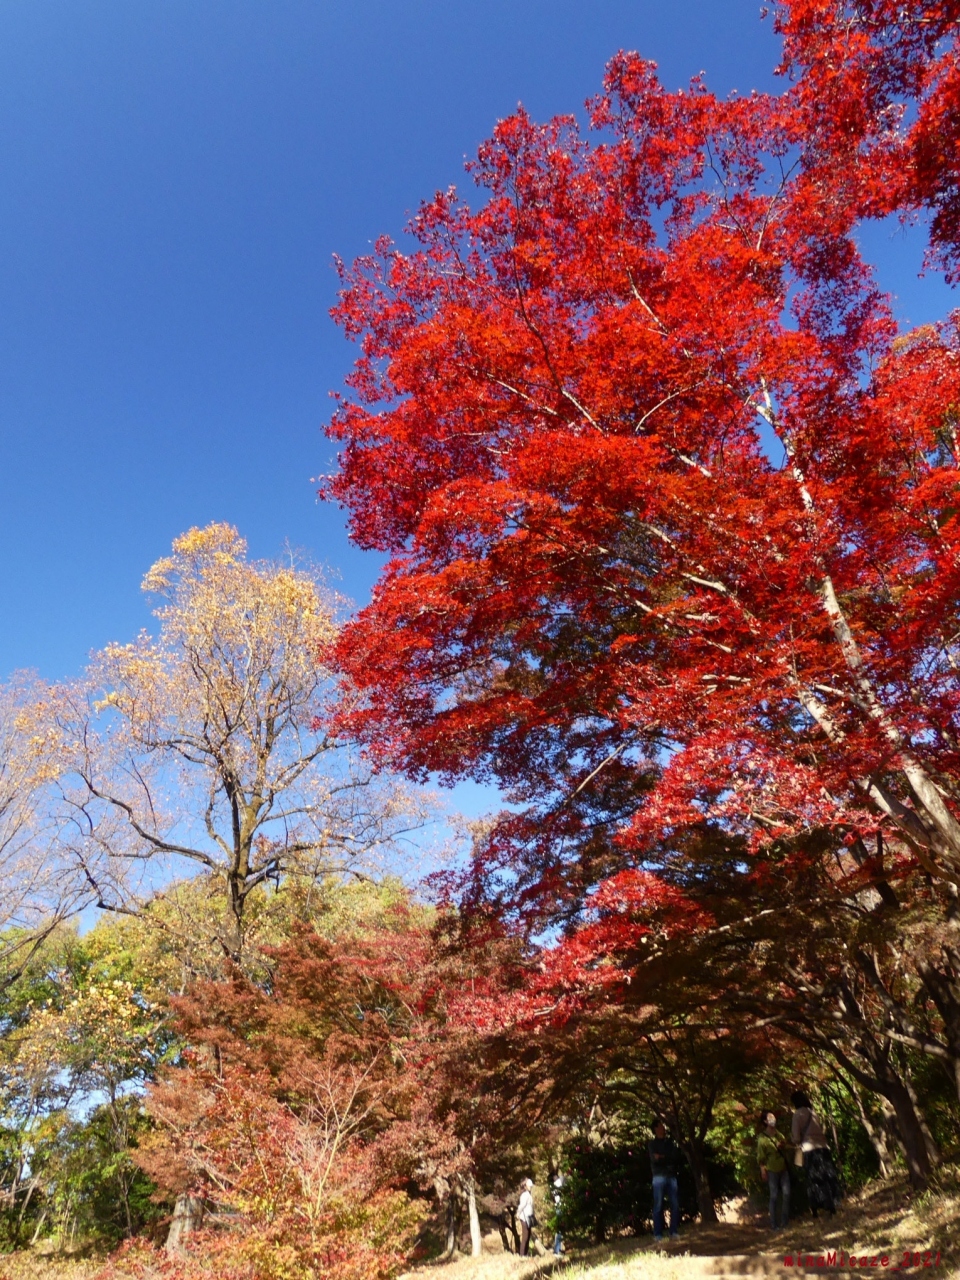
[(885, 1221)]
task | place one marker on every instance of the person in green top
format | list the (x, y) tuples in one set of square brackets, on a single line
[(773, 1168)]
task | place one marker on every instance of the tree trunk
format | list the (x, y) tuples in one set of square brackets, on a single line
[(187, 1216), (929, 1142), (476, 1240), (874, 1132), (451, 1245), (701, 1180), (884, 1078), (21, 1217), (39, 1227), (943, 986), (918, 1145), (513, 1230), (504, 1238), (121, 1143)]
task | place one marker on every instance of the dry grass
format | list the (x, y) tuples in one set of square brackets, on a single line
[(884, 1219), (29, 1265), (932, 1221)]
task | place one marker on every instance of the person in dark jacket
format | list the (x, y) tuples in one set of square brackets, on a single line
[(664, 1165)]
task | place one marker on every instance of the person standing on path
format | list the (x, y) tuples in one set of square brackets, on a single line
[(823, 1184), (525, 1215), (773, 1169), (664, 1165)]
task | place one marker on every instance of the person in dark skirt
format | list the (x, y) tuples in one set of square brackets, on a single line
[(823, 1184)]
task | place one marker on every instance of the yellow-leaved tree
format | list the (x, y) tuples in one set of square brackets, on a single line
[(37, 888), (209, 747)]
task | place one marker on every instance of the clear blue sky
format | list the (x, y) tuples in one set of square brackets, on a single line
[(176, 178)]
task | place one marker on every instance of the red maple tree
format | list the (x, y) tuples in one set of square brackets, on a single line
[(669, 505), (668, 499), (878, 86), (312, 1105)]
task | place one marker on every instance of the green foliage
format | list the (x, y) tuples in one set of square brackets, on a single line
[(173, 941), (853, 1153), (934, 1084), (81, 1029), (86, 1025), (608, 1186), (87, 1187), (736, 1122)]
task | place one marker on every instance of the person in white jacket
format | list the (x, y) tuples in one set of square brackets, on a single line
[(525, 1215)]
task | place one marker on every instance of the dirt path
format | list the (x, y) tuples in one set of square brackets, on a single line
[(884, 1222)]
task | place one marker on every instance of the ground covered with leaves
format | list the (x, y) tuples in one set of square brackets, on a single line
[(882, 1220)]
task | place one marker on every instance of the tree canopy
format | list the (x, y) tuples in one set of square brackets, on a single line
[(212, 747)]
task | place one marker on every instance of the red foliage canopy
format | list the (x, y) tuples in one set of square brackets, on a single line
[(879, 87), (669, 501)]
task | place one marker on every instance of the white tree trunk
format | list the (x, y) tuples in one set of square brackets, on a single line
[(476, 1240), (187, 1215)]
